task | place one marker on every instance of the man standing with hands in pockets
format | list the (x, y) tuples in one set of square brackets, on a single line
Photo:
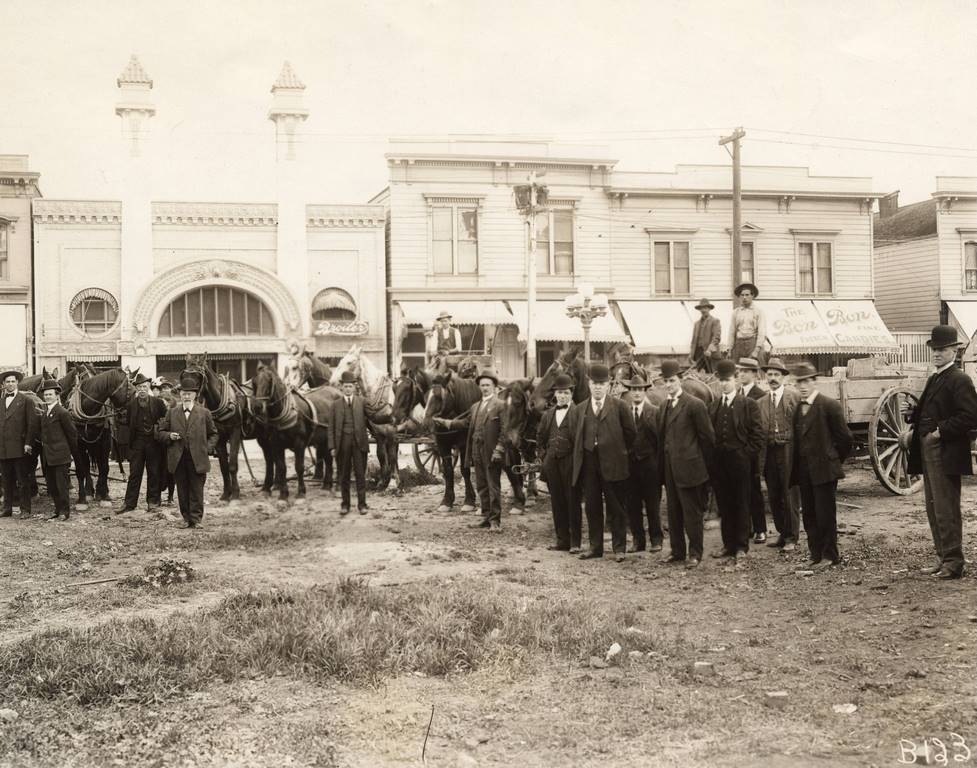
[(349, 443)]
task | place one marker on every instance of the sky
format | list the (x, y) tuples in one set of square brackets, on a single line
[(877, 89)]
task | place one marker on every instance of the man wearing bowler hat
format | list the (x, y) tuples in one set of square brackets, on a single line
[(747, 369), (59, 440), (940, 449), (687, 445), (822, 441), (748, 329), (349, 443), (18, 431), (190, 436), (706, 338), (554, 442), (777, 421), (603, 433), (145, 411), (644, 488)]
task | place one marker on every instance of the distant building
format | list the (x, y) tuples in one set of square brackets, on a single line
[(18, 187), (141, 282)]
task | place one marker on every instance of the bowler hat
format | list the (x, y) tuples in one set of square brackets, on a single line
[(753, 289), (748, 364), (487, 373), (444, 315), (562, 381), (49, 384), (775, 364), (190, 381), (637, 382), (140, 379), (804, 371), (669, 368), (725, 369), (12, 372), (705, 304), (599, 373), (941, 336), (347, 377)]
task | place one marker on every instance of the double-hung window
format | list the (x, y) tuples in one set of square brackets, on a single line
[(454, 239), (554, 242), (672, 268)]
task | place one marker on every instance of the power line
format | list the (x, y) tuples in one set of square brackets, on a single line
[(818, 145), (867, 141)]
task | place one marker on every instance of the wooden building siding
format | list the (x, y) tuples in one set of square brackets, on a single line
[(907, 285), (962, 215)]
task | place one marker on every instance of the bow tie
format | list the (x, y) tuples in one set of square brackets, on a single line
[(562, 407)]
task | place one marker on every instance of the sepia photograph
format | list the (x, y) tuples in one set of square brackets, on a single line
[(483, 384)]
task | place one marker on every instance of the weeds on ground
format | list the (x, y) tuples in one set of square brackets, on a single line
[(162, 574)]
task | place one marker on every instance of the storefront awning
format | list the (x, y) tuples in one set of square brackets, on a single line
[(964, 316), (475, 312), (552, 323), (658, 327), (793, 327), (856, 326)]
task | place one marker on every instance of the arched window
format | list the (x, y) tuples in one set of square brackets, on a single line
[(333, 304), (216, 310), (94, 311)]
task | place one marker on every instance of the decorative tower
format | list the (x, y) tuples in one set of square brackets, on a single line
[(287, 112), (135, 107)]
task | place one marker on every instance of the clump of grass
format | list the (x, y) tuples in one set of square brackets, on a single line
[(162, 574), (346, 631)]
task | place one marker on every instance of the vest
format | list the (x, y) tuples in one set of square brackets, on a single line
[(725, 435), (590, 426), (347, 417), (561, 441), (779, 429), (446, 339)]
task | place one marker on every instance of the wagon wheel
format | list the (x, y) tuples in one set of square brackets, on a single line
[(888, 441), (427, 459)]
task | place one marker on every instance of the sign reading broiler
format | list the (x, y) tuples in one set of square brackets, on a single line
[(342, 328)]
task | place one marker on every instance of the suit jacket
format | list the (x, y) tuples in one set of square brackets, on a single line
[(756, 392), (949, 403), (822, 441), (157, 410), (712, 334), (199, 436), (337, 418), (615, 436), (687, 440), (646, 440), (548, 443), (746, 421), (59, 438), (486, 415), (18, 425)]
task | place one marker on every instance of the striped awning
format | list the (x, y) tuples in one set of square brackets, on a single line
[(220, 356), (552, 323), (475, 312), (94, 293), (333, 298)]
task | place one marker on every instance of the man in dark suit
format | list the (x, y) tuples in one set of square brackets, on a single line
[(940, 449), (736, 423), (777, 420), (603, 433), (687, 442), (145, 411), (746, 373), (644, 488), (822, 441), (554, 443), (349, 442), (59, 440), (706, 338), (188, 429), (18, 431), (484, 448)]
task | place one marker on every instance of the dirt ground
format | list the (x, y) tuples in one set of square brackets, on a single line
[(867, 658)]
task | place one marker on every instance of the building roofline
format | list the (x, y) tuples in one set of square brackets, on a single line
[(727, 192), (463, 159)]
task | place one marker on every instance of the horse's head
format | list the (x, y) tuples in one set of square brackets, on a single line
[(264, 388), (348, 362), (544, 388), (518, 398), (468, 367), (438, 397), (120, 386)]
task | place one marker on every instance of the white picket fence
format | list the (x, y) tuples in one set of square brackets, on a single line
[(912, 348)]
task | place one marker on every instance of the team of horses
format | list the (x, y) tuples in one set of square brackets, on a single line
[(291, 414)]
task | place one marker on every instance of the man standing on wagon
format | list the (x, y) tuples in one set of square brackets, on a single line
[(940, 449), (748, 329)]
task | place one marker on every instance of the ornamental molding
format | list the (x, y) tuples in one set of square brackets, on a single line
[(77, 212), (216, 214), (459, 199), (345, 216), (215, 271)]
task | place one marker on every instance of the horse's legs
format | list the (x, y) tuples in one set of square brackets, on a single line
[(466, 474), (448, 470), (234, 448), (104, 450), (225, 470), (269, 457), (298, 448), (281, 473), (319, 470)]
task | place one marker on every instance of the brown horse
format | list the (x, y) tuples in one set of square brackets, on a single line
[(572, 364)]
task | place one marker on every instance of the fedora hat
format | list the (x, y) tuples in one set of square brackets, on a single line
[(443, 315), (487, 373), (753, 289), (140, 379), (636, 382), (190, 381), (347, 377), (562, 381), (705, 304), (49, 384), (804, 371), (775, 364), (12, 372), (669, 368), (599, 373), (748, 364), (941, 336), (725, 369)]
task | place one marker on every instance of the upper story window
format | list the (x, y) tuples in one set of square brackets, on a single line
[(672, 268), (815, 268), (455, 239), (216, 311), (94, 311), (747, 262), (4, 253), (970, 265), (554, 243)]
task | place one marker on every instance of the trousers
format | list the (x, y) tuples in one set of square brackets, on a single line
[(598, 492), (17, 483), (820, 513), (190, 489), (686, 510), (564, 501), (786, 513), (57, 488), (942, 494), (644, 495), (143, 457), (349, 461), (732, 483)]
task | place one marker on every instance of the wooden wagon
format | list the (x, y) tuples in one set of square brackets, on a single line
[(876, 399)]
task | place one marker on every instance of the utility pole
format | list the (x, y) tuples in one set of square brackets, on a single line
[(531, 199), (734, 139)]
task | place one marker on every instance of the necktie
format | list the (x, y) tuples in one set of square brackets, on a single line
[(562, 407), (598, 404), (637, 413), (805, 407), (186, 412)]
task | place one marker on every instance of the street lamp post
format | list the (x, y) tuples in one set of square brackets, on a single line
[(586, 305), (531, 199)]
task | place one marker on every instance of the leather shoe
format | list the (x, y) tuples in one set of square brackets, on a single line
[(619, 557), (777, 542), (557, 548), (944, 574), (344, 510), (789, 546), (591, 555), (574, 550), (760, 538), (632, 550), (362, 510), (931, 570), (674, 559), (186, 524), (483, 524), (693, 563), (655, 548), (495, 528), (722, 553)]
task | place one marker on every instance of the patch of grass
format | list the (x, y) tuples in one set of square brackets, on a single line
[(347, 631)]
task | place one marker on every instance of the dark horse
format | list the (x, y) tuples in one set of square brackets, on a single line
[(221, 400), (450, 396), (519, 427), (570, 363), (92, 404), (291, 420)]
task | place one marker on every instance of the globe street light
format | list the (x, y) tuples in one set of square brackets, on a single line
[(586, 305)]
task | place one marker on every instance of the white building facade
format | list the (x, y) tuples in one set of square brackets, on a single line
[(18, 188)]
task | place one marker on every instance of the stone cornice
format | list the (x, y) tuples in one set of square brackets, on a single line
[(345, 216), (77, 211), (215, 214)]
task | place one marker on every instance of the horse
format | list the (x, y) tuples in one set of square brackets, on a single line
[(92, 402), (520, 420), (410, 397), (309, 371), (378, 391), (573, 365), (221, 400), (449, 397), (291, 420)]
